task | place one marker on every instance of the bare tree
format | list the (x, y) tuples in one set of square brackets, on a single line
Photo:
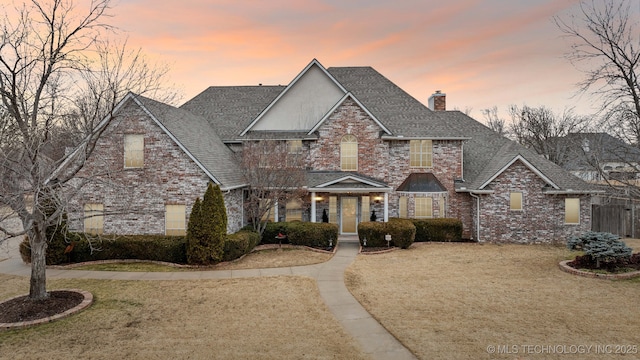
[(540, 129), (276, 172), (56, 69), (494, 121), (606, 47)]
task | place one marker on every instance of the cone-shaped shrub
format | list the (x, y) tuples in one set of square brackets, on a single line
[(207, 228)]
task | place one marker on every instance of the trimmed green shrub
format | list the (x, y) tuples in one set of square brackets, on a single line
[(240, 243), (142, 247), (207, 228), (442, 229), (602, 247), (402, 233), (318, 235), (301, 233), (374, 232)]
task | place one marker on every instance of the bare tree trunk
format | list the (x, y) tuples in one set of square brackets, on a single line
[(38, 281)]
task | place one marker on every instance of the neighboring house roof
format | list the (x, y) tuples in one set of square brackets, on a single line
[(586, 151), (198, 139), (487, 154), (422, 182)]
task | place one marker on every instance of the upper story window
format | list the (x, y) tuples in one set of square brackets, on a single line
[(133, 151), (349, 153), (420, 153), (294, 146)]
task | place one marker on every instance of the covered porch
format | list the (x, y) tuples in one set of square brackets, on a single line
[(346, 199)]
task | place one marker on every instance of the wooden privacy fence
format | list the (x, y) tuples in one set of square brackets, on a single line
[(619, 219)]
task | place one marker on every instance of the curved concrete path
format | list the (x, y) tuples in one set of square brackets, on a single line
[(374, 339)]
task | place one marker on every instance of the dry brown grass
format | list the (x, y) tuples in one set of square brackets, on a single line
[(452, 301), (260, 318), (274, 258)]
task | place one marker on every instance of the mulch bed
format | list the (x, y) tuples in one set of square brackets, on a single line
[(585, 262), (24, 309)]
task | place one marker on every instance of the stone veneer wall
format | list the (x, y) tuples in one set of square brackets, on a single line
[(134, 199), (541, 218)]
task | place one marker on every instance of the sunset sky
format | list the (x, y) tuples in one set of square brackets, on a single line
[(480, 53)]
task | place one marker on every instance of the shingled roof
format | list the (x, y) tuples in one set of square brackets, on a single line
[(230, 109), (196, 136), (400, 112), (487, 153)]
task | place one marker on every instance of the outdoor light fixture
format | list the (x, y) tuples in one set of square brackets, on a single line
[(364, 241), (318, 198)]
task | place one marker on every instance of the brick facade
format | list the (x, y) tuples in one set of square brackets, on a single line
[(541, 218), (134, 199)]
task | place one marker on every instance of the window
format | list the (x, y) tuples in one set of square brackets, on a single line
[(349, 153), (443, 207), (94, 218), (174, 220), (333, 209), (572, 211), (364, 210), (420, 153), (133, 151), (294, 146), (424, 208), (515, 201), (294, 210), (402, 207)]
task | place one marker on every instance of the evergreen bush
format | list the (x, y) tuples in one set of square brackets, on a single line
[(441, 229), (603, 247), (239, 244), (207, 228)]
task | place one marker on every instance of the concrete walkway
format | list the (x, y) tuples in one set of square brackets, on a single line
[(374, 339)]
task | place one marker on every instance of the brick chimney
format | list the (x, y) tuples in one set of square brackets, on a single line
[(438, 101)]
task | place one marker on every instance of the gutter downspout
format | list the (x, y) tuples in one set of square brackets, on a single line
[(477, 215)]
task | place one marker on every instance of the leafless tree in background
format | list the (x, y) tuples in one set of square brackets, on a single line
[(59, 76), (606, 47), (539, 128), (275, 172), (494, 121)]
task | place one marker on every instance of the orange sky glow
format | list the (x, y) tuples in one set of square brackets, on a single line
[(481, 53)]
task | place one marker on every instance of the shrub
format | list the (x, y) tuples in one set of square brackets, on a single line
[(601, 247), (301, 233), (207, 228), (402, 233), (142, 247), (240, 243), (442, 229), (318, 235)]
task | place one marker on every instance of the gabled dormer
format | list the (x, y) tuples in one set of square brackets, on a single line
[(302, 104)]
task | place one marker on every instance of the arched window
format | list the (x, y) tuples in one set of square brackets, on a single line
[(349, 153)]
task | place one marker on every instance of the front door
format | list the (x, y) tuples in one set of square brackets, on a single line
[(349, 210)]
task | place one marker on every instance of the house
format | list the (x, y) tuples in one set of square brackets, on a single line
[(597, 157), (367, 146)]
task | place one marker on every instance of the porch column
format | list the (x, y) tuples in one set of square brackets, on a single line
[(386, 207), (313, 206), (275, 211)]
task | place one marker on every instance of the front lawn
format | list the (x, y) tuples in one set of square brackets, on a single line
[(455, 301), (258, 318)]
